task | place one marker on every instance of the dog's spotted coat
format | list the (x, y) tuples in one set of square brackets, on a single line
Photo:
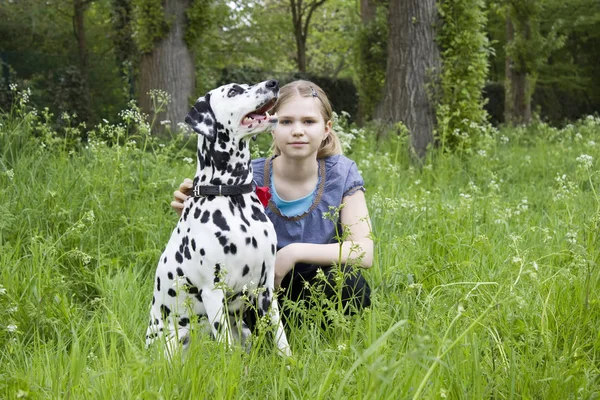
[(223, 248)]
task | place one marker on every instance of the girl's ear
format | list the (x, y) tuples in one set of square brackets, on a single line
[(328, 128)]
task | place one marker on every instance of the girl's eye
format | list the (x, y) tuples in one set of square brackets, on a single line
[(309, 121), (284, 122)]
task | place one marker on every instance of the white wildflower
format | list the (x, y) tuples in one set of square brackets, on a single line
[(482, 153), (2, 290), (517, 260), (342, 346), (11, 328), (578, 137), (585, 161), (165, 122), (571, 237), (591, 143), (10, 174), (504, 139), (188, 160)]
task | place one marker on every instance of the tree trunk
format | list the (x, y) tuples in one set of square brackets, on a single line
[(169, 67), (79, 8), (413, 63), (517, 99), (368, 9), (301, 15)]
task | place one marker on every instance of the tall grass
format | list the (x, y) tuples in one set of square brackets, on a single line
[(485, 280)]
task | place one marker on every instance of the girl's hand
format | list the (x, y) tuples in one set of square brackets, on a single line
[(181, 195), (285, 260)]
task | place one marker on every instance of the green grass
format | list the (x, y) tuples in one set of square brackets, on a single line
[(485, 278)]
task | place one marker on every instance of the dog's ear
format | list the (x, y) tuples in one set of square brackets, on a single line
[(202, 118)]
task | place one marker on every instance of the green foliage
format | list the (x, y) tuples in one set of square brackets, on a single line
[(465, 51), (150, 23), (531, 47), (330, 44), (370, 61), (484, 277)]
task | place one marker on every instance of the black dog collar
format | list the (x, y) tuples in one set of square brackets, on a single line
[(222, 190)]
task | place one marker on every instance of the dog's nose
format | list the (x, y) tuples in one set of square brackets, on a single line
[(272, 84)]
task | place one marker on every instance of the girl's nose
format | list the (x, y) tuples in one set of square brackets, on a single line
[(297, 130)]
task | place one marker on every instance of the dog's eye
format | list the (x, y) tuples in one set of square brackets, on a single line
[(234, 91)]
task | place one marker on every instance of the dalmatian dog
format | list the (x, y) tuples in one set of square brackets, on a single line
[(220, 260)]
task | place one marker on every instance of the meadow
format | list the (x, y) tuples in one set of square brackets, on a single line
[(485, 280)]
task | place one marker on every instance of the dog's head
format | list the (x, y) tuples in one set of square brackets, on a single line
[(239, 110)]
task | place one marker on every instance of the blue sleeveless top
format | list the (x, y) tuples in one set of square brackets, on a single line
[(338, 177)]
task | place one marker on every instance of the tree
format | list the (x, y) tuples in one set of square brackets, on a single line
[(301, 16), (527, 49), (79, 9), (412, 64), (370, 56), (465, 50), (166, 63)]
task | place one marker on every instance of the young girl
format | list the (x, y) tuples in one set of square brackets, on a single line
[(307, 175)]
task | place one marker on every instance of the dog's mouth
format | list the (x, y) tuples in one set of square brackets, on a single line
[(260, 115)]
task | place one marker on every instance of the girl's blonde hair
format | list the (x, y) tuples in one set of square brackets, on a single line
[(331, 144)]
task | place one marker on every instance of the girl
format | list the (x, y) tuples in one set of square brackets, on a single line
[(306, 176)]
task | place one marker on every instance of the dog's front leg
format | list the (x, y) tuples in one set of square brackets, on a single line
[(280, 336), (214, 304)]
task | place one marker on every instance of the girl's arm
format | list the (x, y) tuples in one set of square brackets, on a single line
[(358, 244)]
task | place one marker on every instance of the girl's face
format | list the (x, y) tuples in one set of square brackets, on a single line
[(301, 128)]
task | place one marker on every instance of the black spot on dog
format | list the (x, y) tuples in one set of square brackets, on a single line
[(192, 290), (266, 233), (272, 249), (245, 270), (205, 217), (258, 214), (266, 301), (172, 292), (220, 221), (202, 252), (248, 240), (199, 296), (158, 283), (197, 212), (233, 248), (254, 243), (217, 273), (165, 260), (165, 311), (186, 253), (223, 241), (193, 245), (170, 275), (183, 322), (179, 272), (179, 257), (153, 300), (243, 228), (217, 326)]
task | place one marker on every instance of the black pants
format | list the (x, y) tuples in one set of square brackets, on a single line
[(303, 283)]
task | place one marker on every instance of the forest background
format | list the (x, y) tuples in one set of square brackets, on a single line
[(443, 63), (474, 124)]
